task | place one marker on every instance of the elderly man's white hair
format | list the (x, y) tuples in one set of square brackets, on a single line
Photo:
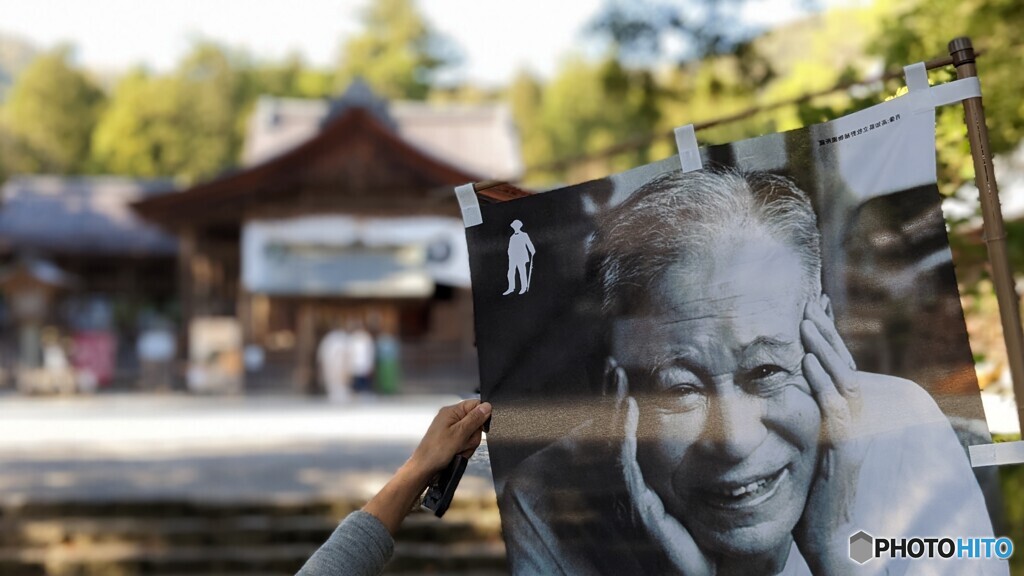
[(677, 216)]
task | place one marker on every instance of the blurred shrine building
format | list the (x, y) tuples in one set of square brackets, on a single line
[(81, 277), (342, 217)]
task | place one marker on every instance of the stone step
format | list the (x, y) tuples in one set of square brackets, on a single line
[(174, 508), (276, 537), (387, 571), (501, 572), (261, 573), (241, 530), (457, 525), (276, 506), (123, 558), (462, 556), (248, 529), (119, 558)]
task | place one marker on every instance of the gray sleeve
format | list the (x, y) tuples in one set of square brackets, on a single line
[(359, 546)]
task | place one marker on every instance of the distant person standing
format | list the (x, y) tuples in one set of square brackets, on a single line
[(520, 253), (361, 359), (335, 369), (387, 363), (156, 349)]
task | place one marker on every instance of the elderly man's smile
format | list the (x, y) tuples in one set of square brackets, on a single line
[(746, 494)]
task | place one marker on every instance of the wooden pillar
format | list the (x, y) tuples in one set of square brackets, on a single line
[(305, 349), (243, 311), (186, 252)]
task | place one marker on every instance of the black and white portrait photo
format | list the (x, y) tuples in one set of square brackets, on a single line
[(735, 369)]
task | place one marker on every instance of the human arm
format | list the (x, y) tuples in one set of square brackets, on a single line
[(360, 545), (455, 430), (363, 543)]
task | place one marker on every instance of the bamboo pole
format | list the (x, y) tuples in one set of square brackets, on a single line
[(962, 53)]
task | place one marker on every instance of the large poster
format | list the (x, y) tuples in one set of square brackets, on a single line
[(758, 367)]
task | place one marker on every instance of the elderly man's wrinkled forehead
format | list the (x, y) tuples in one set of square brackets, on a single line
[(729, 257), (751, 289)]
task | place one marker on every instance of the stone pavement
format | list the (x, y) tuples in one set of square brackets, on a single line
[(212, 449)]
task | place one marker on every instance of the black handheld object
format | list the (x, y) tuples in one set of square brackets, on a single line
[(442, 487)]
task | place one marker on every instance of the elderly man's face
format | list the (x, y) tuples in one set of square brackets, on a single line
[(729, 429)]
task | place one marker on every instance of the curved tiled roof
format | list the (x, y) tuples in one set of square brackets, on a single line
[(479, 138), (80, 215)]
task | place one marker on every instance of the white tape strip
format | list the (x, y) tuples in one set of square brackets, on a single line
[(470, 206), (917, 76), (948, 93), (997, 454), (689, 151)]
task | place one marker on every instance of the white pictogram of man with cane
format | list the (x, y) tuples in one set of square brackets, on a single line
[(520, 252)]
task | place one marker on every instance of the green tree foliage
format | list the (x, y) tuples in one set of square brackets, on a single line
[(191, 123), (397, 53), (707, 90), (715, 70), (213, 90), (684, 30), (183, 124), (915, 30), (919, 30), (49, 116), (725, 68), (586, 108), (525, 97), (141, 132), (290, 77)]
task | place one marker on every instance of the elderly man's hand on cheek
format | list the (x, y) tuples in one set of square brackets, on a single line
[(681, 553), (835, 383)]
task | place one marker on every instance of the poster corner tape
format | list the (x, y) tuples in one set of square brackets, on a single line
[(997, 454), (689, 151), (916, 76), (470, 206)]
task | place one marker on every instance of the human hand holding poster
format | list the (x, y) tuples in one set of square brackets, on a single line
[(735, 369)]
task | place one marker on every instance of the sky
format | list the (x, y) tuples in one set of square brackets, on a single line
[(494, 38)]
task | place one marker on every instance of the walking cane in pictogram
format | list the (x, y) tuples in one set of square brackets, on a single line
[(529, 273)]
